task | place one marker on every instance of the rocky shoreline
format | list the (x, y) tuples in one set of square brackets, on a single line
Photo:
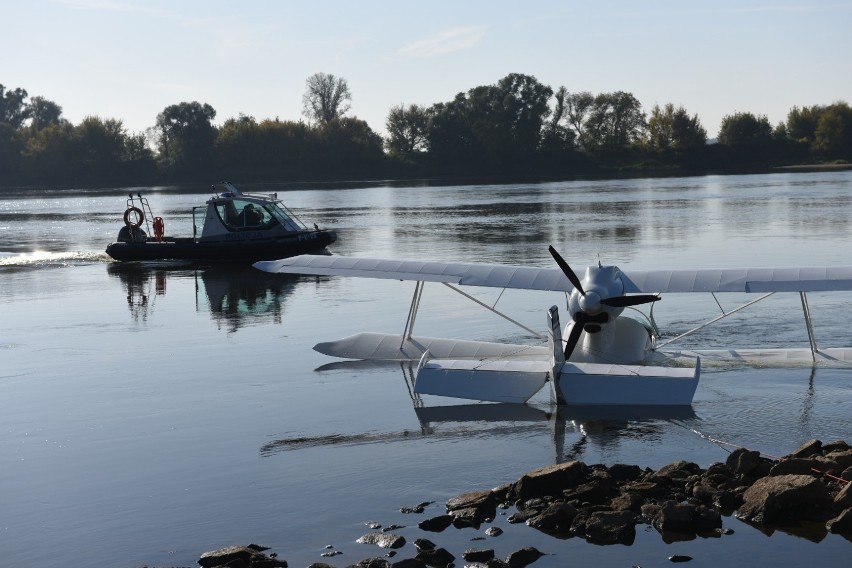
[(805, 493)]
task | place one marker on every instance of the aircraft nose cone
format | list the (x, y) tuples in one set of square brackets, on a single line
[(590, 303)]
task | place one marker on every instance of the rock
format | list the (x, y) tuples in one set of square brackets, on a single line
[(621, 472), (419, 508), (842, 523), (383, 540), (558, 517), (678, 470), (239, 556), (783, 498), (809, 448), (595, 491), (436, 524), (496, 563), (469, 517), (320, 565), (374, 563), (475, 499), (478, 555), (424, 544), (795, 466), (679, 558), (523, 557), (646, 489), (493, 531), (409, 563), (843, 499), (550, 480), (842, 457), (627, 502), (847, 474), (676, 517), (743, 461), (610, 527), (436, 557), (523, 516)]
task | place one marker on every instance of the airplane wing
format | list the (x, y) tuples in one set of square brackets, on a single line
[(465, 274), (755, 280)]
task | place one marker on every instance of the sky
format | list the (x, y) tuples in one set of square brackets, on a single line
[(129, 60)]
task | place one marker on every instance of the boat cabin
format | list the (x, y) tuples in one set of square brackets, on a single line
[(233, 215)]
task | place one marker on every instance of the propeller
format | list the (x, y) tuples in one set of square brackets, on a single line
[(581, 318), (572, 277)]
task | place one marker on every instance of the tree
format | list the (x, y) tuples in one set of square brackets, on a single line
[(802, 123), (186, 134), (326, 97), (43, 113), (608, 122), (743, 129), (407, 130), (100, 144), (674, 129), (494, 125), (13, 108), (833, 135), (557, 138)]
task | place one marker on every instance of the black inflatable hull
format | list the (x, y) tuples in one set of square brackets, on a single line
[(246, 252)]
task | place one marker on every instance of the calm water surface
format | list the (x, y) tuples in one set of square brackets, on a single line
[(152, 413)]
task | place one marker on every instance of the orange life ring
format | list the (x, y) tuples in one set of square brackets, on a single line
[(159, 228), (140, 217)]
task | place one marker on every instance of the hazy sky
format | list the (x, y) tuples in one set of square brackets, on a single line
[(129, 59)]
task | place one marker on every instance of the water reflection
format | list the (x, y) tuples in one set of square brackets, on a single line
[(600, 426), (235, 296)]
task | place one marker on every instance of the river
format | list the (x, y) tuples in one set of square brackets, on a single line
[(151, 413)]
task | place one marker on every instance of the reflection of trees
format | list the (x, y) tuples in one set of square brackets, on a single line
[(245, 296), (235, 296)]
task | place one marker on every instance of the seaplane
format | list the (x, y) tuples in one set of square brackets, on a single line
[(602, 357)]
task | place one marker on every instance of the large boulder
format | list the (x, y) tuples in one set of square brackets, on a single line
[(609, 527), (743, 461), (557, 517), (240, 557), (783, 498), (550, 480), (383, 540)]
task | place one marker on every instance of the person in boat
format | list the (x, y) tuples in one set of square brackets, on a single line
[(250, 216)]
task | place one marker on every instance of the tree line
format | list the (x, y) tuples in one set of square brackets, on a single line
[(517, 126)]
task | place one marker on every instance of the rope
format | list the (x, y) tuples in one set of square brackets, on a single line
[(777, 459)]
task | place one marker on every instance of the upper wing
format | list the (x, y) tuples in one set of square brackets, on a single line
[(808, 279), (811, 279), (467, 274)]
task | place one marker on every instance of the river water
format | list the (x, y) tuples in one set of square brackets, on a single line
[(151, 413)]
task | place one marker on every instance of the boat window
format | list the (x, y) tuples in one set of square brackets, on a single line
[(239, 214)]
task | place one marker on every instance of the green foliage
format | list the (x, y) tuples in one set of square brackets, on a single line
[(44, 113), (494, 125), (674, 129), (607, 123), (186, 135), (833, 135), (407, 131), (744, 129), (13, 108)]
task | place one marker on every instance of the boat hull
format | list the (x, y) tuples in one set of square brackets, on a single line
[(244, 251)]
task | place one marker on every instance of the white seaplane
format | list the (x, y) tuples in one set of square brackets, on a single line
[(601, 358)]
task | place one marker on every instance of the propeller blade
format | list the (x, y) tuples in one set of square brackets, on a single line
[(576, 330), (567, 271), (625, 301)]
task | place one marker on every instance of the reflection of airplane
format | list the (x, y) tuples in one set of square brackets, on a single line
[(605, 358), (235, 295), (599, 425)]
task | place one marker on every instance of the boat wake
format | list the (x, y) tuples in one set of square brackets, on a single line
[(51, 259)]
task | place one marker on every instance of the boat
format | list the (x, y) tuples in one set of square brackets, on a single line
[(231, 227)]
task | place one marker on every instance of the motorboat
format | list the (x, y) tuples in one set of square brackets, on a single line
[(231, 227)]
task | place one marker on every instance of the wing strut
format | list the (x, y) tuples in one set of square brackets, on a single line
[(809, 324), (489, 308), (714, 320), (412, 313)]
